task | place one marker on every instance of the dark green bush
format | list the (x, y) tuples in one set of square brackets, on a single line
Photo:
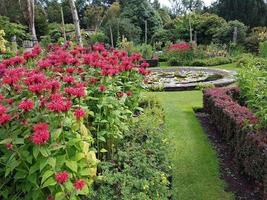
[(212, 61), (141, 169)]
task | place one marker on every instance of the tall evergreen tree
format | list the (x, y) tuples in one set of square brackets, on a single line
[(251, 12)]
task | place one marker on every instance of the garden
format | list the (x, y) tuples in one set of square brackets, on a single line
[(133, 100)]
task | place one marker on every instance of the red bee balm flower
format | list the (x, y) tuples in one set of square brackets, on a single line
[(9, 146), (79, 113), (79, 184), (129, 93), (41, 133), (26, 105), (62, 177), (4, 118), (102, 88)]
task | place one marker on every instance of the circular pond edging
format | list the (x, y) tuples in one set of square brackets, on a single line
[(228, 77)]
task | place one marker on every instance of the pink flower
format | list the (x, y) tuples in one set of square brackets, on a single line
[(79, 113), (26, 105), (62, 177), (120, 94), (4, 118), (41, 133), (79, 184), (9, 146), (129, 93), (102, 88), (75, 91)]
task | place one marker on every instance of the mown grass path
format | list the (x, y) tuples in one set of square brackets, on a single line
[(195, 165)]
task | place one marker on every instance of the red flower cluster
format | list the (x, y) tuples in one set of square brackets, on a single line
[(4, 117), (58, 103), (79, 184), (62, 177), (26, 105), (41, 133), (79, 113), (183, 46)]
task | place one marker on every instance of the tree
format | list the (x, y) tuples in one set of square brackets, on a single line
[(31, 17), (225, 33), (182, 6), (140, 11), (76, 22), (250, 12)]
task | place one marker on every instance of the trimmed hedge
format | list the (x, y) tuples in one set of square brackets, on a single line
[(236, 123)]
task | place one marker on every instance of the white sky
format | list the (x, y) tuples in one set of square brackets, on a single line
[(167, 3)]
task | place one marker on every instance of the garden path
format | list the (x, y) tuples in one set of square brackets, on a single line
[(196, 173)]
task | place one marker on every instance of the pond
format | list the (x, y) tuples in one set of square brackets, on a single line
[(188, 78)]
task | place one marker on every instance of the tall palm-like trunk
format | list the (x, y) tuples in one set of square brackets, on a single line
[(30, 9), (76, 21)]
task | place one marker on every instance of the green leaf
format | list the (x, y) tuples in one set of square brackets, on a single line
[(49, 182), (46, 175), (34, 168), (6, 141), (18, 141), (72, 165), (44, 151), (60, 196), (35, 151), (52, 162), (57, 133), (43, 164), (103, 150)]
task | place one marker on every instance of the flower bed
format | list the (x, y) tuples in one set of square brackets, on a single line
[(236, 124), (61, 112)]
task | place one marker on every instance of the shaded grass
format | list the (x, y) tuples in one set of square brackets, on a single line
[(195, 165)]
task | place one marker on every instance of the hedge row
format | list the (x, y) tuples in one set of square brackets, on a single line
[(236, 123)]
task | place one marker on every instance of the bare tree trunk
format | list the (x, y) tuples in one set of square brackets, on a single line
[(145, 31), (76, 22), (111, 36), (63, 25), (30, 8)]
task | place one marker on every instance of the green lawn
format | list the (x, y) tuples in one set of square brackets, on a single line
[(231, 66), (195, 165)]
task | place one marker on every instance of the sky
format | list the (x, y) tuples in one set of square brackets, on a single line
[(167, 3)]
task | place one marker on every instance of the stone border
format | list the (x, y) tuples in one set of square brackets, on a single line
[(229, 77)]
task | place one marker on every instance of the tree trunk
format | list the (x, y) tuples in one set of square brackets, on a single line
[(111, 36), (145, 31), (63, 24), (30, 8), (76, 22)]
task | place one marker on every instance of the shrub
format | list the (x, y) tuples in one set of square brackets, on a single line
[(2, 41), (235, 123), (212, 61), (146, 50), (252, 82), (141, 170), (263, 49)]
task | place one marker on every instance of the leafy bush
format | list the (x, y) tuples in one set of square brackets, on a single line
[(2, 41), (96, 37), (212, 61), (252, 81), (62, 109), (141, 170), (146, 50), (180, 54), (263, 49), (12, 29), (235, 123)]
